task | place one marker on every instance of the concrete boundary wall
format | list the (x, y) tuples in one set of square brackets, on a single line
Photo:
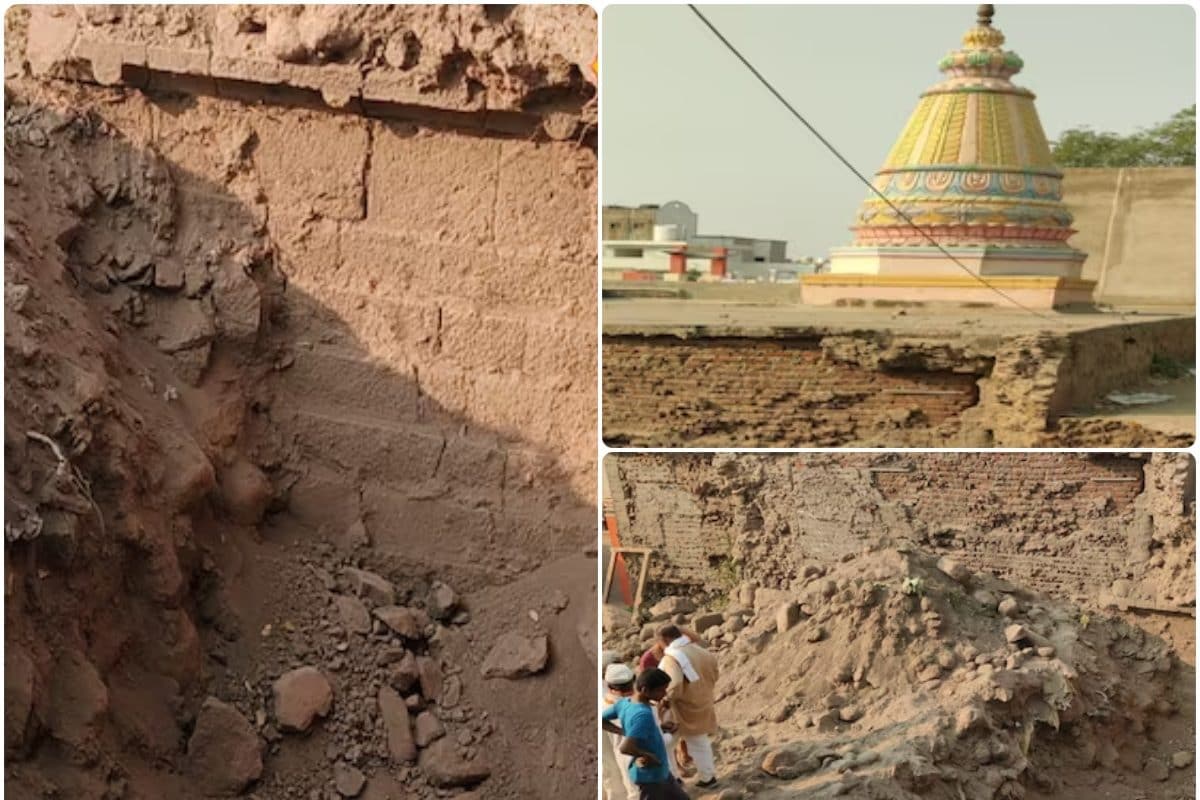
[(1138, 227)]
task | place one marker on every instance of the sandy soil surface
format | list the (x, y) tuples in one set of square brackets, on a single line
[(1176, 416), (622, 315)]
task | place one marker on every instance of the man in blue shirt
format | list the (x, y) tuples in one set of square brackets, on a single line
[(642, 739)]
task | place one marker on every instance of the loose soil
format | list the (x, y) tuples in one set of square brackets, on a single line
[(895, 675)]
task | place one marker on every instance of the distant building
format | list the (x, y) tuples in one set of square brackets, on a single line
[(626, 223), (639, 242)]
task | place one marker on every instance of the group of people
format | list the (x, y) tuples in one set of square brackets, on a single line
[(660, 720)]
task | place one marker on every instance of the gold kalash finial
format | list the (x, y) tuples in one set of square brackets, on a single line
[(984, 14)]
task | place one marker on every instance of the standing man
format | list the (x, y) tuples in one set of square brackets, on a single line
[(617, 785), (691, 697), (619, 680), (641, 738), (654, 654)]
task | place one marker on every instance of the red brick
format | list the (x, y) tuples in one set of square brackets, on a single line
[(547, 199), (474, 464), (1056, 522), (563, 350), (400, 454), (440, 184), (663, 391), (309, 160), (482, 342), (351, 382)]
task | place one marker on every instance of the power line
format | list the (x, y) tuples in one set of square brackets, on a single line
[(829, 145)]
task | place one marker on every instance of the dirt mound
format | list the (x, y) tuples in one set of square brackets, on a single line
[(892, 675)]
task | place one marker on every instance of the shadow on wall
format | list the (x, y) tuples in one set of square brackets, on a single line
[(190, 403)]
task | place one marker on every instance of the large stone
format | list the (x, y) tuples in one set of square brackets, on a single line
[(616, 618), (850, 713), (349, 781), (443, 602), (1020, 635), (407, 622), (1157, 770), (246, 492), (931, 672), (786, 617), (967, 719), (703, 622), (516, 656), (403, 674), (20, 685), (353, 614), (668, 607), (954, 569), (77, 698), (445, 768), (375, 589), (224, 755), (427, 729), (985, 598), (1009, 607), (392, 708), (236, 297), (430, 676), (1182, 759), (357, 536), (788, 764), (301, 696)]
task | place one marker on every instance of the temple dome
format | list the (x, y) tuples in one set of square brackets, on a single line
[(972, 166)]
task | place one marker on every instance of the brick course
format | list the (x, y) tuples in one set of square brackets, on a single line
[(441, 292), (1063, 523), (663, 391)]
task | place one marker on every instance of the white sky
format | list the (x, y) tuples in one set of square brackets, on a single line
[(683, 120)]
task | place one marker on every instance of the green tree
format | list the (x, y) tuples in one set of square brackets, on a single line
[(1169, 144)]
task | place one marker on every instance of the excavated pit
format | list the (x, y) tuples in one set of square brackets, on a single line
[(707, 374), (927, 625), (275, 509)]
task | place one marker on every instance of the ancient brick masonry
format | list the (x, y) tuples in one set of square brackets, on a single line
[(737, 386), (450, 281), (1066, 524), (752, 392), (424, 289), (438, 244)]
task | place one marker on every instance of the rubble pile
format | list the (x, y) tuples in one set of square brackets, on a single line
[(364, 663), (893, 674)]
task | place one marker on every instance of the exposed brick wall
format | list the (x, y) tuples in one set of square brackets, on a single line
[(715, 386), (1063, 523), (974, 489), (441, 294), (664, 391)]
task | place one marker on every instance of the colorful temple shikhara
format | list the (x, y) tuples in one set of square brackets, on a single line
[(973, 170)]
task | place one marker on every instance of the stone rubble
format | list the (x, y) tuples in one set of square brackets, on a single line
[(895, 674)]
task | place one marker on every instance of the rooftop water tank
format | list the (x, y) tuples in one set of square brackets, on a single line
[(666, 233)]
